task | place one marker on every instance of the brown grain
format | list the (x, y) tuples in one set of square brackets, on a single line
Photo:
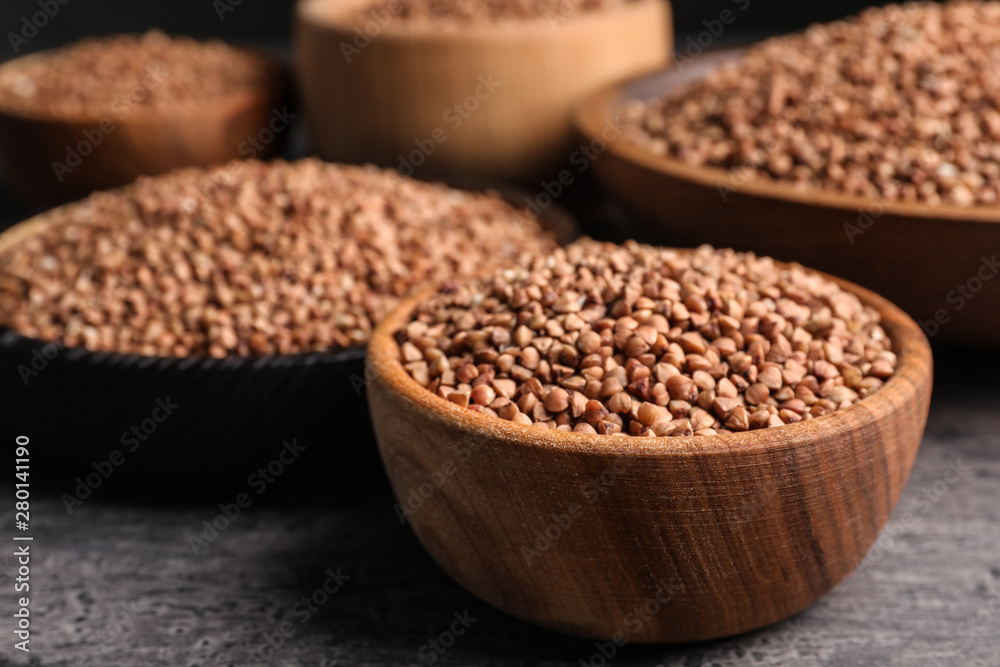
[(670, 342), (485, 11), (280, 258), (899, 103), (110, 77)]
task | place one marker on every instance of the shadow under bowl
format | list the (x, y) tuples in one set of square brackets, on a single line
[(185, 418)]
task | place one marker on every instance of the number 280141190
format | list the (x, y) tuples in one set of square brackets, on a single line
[(21, 474)]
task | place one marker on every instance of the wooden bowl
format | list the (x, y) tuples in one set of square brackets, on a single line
[(917, 255), (234, 413), (649, 539), (104, 151), (495, 99)]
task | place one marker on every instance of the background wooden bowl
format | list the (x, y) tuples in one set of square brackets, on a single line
[(376, 93), (917, 255), (659, 540), (142, 142)]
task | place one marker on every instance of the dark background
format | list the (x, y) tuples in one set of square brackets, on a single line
[(271, 20)]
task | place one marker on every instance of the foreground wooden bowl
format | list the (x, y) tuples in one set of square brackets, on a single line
[(649, 539), (495, 100), (919, 256), (102, 151)]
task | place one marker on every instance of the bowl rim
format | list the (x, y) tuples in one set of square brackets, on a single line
[(278, 88), (311, 12), (914, 371), (13, 342), (591, 117)]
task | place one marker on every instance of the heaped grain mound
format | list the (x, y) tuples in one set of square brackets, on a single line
[(645, 341), (250, 258), (899, 103)]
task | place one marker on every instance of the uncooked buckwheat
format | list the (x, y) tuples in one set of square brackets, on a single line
[(106, 77), (488, 11), (898, 103), (644, 341), (251, 258)]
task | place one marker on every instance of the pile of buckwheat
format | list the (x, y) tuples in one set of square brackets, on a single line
[(108, 77), (900, 103), (636, 340), (250, 258), (488, 11)]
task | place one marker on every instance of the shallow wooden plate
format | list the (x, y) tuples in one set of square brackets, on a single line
[(936, 262)]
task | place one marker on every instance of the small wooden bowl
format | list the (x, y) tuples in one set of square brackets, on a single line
[(915, 254), (117, 147), (495, 99), (649, 539)]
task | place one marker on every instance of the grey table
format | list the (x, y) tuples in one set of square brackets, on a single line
[(323, 570)]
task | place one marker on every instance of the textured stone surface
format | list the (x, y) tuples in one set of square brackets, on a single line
[(118, 583)]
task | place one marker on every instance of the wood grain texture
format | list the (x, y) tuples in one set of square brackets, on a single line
[(142, 142), (375, 103), (742, 530), (913, 254)]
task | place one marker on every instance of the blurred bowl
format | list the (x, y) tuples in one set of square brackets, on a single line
[(492, 99), (936, 262), (104, 151), (649, 539), (233, 414)]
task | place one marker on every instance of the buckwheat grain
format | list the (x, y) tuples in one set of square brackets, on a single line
[(670, 343), (256, 259), (900, 103)]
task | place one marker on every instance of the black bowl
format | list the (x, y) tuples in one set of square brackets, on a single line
[(185, 417), (228, 418)]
